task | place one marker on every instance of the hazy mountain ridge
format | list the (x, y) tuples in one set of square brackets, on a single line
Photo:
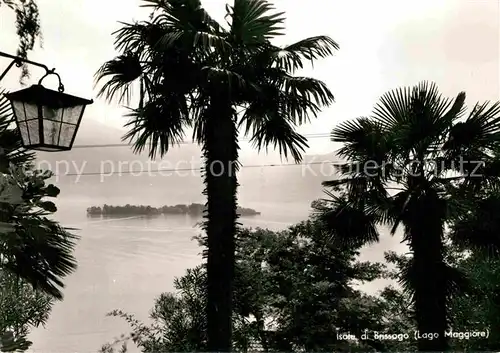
[(111, 172), (89, 153)]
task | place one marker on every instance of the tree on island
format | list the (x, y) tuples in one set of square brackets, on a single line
[(194, 72), (194, 209)]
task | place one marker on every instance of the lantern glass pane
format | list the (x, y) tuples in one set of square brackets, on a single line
[(23, 129), (51, 130), (18, 108), (31, 111), (67, 133), (52, 114), (47, 119), (72, 114), (33, 131)]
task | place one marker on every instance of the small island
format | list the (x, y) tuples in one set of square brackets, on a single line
[(194, 209)]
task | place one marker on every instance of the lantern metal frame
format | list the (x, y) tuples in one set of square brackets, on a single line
[(18, 61), (51, 97)]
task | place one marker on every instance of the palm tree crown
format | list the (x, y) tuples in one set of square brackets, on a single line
[(181, 54), (414, 162)]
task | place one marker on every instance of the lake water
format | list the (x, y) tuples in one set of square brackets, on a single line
[(126, 263)]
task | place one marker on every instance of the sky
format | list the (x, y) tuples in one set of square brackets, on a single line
[(384, 44)]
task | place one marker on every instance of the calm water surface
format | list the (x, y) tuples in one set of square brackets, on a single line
[(126, 263), (122, 264)]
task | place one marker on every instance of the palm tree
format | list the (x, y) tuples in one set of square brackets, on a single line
[(195, 73), (415, 162), (33, 247)]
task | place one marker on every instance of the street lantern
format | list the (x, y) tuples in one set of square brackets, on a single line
[(48, 120)]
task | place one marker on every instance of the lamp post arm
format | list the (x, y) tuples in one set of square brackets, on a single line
[(18, 61)]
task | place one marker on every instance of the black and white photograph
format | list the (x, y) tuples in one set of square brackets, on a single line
[(249, 176)]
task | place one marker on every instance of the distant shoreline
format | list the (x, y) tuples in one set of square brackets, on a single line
[(194, 209)]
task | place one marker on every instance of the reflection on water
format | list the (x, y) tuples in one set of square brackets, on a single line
[(124, 263)]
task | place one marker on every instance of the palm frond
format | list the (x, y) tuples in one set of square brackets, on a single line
[(6, 115), (193, 40), (227, 80), (393, 108), (135, 37), (480, 130), (13, 150), (399, 208), (417, 117), (158, 124), (276, 130), (480, 172), (276, 108), (364, 140), (184, 15), (334, 184), (456, 111), (348, 224), (307, 89), (252, 21), (290, 99), (428, 103), (120, 73), (181, 24), (291, 57), (41, 252), (298, 98)]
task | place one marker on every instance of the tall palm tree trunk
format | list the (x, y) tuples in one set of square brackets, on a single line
[(428, 275), (221, 154)]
